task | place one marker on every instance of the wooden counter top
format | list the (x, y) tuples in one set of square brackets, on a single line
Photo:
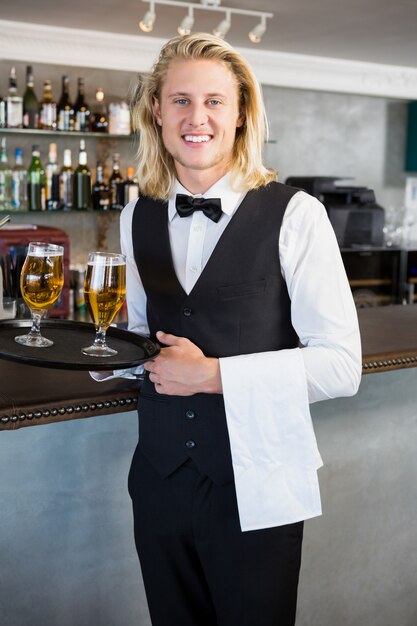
[(32, 395), (389, 337), (38, 395)]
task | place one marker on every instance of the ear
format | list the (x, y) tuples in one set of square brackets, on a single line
[(241, 119), (157, 111)]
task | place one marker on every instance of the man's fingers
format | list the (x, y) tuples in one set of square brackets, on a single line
[(168, 339)]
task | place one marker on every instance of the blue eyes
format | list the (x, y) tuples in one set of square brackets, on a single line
[(184, 101)]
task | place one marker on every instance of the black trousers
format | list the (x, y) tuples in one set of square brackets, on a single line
[(198, 567)]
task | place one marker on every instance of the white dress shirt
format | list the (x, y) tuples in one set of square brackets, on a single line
[(267, 395)]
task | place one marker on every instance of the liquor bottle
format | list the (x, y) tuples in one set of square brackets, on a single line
[(5, 178), (19, 183), (65, 113), (36, 183), (47, 108), (131, 186), (116, 184), (30, 102), (82, 181), (81, 109), (101, 191), (99, 114), (3, 114), (14, 103), (52, 179), (66, 176)]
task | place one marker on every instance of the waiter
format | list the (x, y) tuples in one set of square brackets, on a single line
[(241, 281)]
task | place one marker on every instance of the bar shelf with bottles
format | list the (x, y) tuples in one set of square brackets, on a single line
[(27, 112), (54, 188)]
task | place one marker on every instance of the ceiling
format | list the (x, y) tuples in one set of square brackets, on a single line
[(378, 31)]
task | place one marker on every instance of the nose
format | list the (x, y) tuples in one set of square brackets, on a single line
[(197, 115)]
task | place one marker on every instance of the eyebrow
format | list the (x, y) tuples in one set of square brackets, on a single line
[(185, 94)]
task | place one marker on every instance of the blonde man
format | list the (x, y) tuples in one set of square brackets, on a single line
[(231, 272)]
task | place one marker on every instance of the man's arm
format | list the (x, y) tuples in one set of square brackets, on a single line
[(323, 315)]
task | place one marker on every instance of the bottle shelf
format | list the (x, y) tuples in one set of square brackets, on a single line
[(64, 133)]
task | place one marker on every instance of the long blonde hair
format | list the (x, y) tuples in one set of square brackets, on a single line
[(156, 170)]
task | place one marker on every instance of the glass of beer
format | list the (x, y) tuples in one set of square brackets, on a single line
[(104, 293), (41, 282)]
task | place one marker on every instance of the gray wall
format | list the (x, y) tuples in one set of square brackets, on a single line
[(66, 547), (316, 133), (325, 134)]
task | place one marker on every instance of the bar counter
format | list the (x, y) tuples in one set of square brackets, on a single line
[(31, 395), (389, 338), (37, 395), (66, 517)]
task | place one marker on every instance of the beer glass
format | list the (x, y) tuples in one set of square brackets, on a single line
[(41, 282), (104, 293)]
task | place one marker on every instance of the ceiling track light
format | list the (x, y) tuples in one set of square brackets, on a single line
[(258, 31), (187, 23), (223, 28), (146, 24)]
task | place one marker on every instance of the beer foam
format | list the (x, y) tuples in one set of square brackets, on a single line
[(109, 259), (43, 250), (106, 262)]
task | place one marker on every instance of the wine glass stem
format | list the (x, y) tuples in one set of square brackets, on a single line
[(35, 331), (100, 340)]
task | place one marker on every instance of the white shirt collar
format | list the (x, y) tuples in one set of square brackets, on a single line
[(221, 189)]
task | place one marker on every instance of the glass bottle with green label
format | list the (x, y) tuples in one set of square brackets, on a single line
[(82, 181), (36, 183), (30, 102)]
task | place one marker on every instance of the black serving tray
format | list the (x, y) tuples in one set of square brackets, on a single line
[(69, 337)]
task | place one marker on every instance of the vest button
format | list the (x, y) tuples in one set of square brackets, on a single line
[(187, 311), (190, 415), (190, 444)]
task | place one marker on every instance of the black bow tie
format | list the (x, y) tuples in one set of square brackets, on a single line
[(186, 205)]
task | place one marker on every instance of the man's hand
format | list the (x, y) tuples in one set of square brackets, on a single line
[(181, 369)]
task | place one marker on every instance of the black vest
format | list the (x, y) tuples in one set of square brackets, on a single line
[(239, 305)]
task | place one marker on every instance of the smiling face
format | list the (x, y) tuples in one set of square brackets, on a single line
[(198, 111)]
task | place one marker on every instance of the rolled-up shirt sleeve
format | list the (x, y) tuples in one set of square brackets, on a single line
[(322, 307), (322, 311)]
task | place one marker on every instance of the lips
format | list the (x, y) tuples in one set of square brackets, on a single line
[(197, 138)]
